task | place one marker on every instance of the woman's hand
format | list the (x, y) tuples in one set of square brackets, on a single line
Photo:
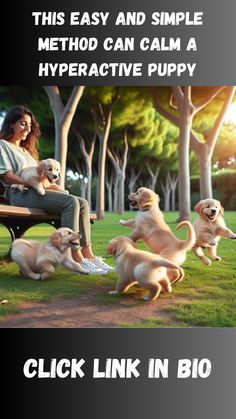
[(12, 179)]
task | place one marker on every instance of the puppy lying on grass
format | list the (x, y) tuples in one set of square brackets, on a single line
[(41, 177), (38, 260), (146, 268), (210, 227)]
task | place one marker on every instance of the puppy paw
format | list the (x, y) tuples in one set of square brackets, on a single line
[(113, 292), (36, 277), (212, 242), (233, 237), (169, 289), (206, 261), (217, 258), (122, 222)]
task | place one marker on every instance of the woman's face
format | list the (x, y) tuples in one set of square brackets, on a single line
[(21, 128)]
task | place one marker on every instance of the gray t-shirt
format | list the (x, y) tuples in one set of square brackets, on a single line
[(14, 159)]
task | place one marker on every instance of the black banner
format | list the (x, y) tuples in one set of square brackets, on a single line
[(118, 373), (124, 43)]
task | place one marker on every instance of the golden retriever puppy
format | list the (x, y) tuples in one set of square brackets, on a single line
[(209, 227), (146, 268), (41, 177), (38, 260), (150, 226)]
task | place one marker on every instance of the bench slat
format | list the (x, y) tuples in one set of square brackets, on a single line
[(34, 213)]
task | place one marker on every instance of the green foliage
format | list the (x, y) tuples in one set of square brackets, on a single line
[(224, 187), (226, 145)]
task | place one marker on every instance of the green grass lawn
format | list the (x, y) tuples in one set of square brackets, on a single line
[(206, 297)]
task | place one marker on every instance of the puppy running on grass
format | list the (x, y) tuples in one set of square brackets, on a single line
[(210, 227), (136, 266)]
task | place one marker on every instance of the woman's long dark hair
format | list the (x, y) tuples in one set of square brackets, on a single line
[(15, 114)]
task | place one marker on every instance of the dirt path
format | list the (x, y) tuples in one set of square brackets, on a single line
[(85, 312)]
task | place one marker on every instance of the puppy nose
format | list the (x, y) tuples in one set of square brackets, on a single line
[(213, 210), (54, 176)]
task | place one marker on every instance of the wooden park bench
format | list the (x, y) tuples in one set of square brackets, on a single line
[(18, 220)]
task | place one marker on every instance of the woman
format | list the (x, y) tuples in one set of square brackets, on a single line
[(18, 149)]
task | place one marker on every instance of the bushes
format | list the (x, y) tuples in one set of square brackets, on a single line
[(224, 189)]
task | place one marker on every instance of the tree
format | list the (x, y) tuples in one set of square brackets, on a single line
[(63, 116), (186, 111), (225, 150), (119, 163), (204, 150), (88, 159), (102, 109)]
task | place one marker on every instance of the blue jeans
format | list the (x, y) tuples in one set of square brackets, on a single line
[(74, 211)]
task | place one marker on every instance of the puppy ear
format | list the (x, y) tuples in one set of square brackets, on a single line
[(55, 239), (112, 247), (41, 167), (222, 210), (145, 201), (198, 208)]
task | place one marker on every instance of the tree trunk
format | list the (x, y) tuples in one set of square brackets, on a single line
[(121, 201), (103, 131), (88, 160), (63, 116), (173, 199), (153, 176), (185, 125), (133, 179), (173, 180), (83, 187), (119, 164), (166, 191), (173, 191), (89, 187), (115, 194), (204, 160), (109, 184), (100, 200), (184, 172)]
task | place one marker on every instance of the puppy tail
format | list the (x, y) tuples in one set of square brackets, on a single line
[(165, 262), (170, 265), (187, 244)]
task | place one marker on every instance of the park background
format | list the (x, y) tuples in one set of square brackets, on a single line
[(178, 141), (111, 140)]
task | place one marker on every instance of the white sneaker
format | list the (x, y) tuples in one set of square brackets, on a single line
[(98, 261), (91, 267)]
